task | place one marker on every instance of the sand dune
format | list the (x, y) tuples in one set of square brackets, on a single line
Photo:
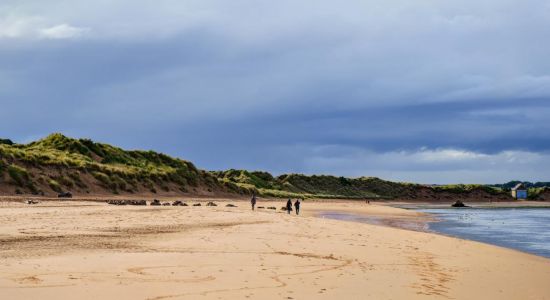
[(82, 250)]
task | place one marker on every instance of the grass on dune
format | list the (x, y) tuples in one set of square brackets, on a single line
[(113, 167), (303, 186), (465, 188), (59, 163)]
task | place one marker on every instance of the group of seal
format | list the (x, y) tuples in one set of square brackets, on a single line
[(157, 202), (127, 202)]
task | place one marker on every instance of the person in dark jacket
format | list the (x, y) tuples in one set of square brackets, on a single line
[(253, 200), (289, 206), (297, 206)]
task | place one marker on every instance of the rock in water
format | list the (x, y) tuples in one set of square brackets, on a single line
[(459, 203)]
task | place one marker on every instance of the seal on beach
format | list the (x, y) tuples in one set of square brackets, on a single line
[(127, 202)]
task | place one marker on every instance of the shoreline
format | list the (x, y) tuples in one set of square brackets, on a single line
[(422, 220), (399, 203), (96, 250)]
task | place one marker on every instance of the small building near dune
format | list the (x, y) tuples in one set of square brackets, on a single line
[(519, 191)]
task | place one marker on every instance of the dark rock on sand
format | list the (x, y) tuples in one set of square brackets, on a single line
[(166, 204), (272, 207), (459, 203), (284, 208), (30, 201), (197, 204), (261, 207), (211, 204), (178, 203), (65, 195), (155, 202), (230, 205)]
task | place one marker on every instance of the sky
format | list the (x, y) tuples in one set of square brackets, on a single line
[(426, 91)]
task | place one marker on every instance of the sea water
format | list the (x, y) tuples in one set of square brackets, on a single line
[(524, 229)]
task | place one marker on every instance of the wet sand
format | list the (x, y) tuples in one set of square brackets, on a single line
[(86, 250)]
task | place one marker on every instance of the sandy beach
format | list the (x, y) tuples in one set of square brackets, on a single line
[(91, 250)]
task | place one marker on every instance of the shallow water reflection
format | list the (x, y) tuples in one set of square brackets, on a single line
[(525, 229), (409, 223)]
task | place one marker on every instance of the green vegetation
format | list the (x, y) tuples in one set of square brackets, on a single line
[(466, 188), (535, 190), (19, 175), (535, 193), (509, 185), (21, 178), (58, 164), (54, 185), (303, 186), (247, 180), (6, 142), (113, 168), (76, 178)]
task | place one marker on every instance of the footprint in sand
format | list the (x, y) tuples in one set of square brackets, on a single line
[(28, 280)]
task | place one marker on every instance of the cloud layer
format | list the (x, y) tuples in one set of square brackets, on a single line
[(32, 27), (353, 88)]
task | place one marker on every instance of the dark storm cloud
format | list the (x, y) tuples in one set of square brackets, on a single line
[(289, 87)]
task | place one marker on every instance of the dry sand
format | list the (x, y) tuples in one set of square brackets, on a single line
[(84, 250)]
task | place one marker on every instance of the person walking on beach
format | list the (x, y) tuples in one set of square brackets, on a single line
[(253, 200), (289, 206), (297, 206)]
